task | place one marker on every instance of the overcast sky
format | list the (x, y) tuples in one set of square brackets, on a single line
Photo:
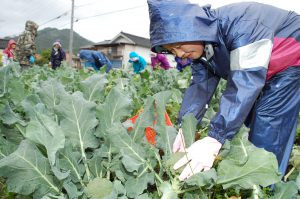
[(96, 20)]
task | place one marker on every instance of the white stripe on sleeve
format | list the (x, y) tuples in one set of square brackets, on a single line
[(256, 54)]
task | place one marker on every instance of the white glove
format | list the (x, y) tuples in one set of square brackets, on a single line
[(200, 156), (178, 145)]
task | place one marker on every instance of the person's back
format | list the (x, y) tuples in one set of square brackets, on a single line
[(8, 54), (26, 44), (95, 59), (279, 26)]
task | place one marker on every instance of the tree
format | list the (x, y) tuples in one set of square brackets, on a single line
[(45, 57)]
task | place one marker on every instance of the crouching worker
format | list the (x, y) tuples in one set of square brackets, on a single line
[(149, 131), (255, 47), (94, 60), (138, 62)]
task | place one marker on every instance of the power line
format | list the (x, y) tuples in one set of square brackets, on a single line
[(65, 14), (55, 18), (106, 13), (111, 12)]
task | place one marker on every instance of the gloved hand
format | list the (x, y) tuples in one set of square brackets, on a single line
[(200, 156), (178, 145)]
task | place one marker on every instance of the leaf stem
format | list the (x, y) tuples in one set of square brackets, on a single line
[(109, 161), (288, 174)]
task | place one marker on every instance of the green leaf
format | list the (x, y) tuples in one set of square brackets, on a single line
[(93, 87), (8, 116), (99, 188), (133, 155), (6, 148), (115, 108), (70, 161), (79, 121), (189, 123), (295, 157), (165, 135), (168, 192), (12, 133), (145, 119), (298, 181), (16, 90), (95, 164), (27, 171), (285, 190), (136, 186), (258, 167), (42, 129), (206, 178), (5, 76), (51, 92), (169, 163), (183, 83), (119, 189)]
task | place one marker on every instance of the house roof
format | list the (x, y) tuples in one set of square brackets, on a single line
[(137, 40), (129, 39), (3, 43), (102, 42)]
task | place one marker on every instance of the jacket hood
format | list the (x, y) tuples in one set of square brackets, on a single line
[(30, 25), (10, 43), (173, 21), (133, 54), (56, 43)]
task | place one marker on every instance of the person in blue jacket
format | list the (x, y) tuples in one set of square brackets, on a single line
[(182, 63), (255, 47), (138, 62), (95, 60)]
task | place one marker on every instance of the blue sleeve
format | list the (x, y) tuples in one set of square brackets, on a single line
[(243, 87), (108, 64), (199, 93), (249, 59)]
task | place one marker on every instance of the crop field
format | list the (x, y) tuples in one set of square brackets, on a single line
[(64, 134)]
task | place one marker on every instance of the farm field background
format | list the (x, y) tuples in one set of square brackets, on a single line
[(64, 134)]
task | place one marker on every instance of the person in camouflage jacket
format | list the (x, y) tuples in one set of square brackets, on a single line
[(26, 48)]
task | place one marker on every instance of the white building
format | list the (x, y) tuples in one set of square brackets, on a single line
[(118, 49)]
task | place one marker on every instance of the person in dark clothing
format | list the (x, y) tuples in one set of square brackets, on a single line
[(94, 60), (57, 55), (255, 47), (182, 63)]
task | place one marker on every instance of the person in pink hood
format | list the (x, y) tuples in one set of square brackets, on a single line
[(159, 61), (9, 53)]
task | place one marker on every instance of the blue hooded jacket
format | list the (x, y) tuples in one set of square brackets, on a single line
[(243, 37), (95, 59), (138, 65)]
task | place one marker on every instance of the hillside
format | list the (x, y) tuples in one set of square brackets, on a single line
[(47, 36)]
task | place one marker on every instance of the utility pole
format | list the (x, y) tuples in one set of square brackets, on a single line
[(71, 36)]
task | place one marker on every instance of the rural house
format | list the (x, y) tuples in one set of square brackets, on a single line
[(3, 44), (118, 48)]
